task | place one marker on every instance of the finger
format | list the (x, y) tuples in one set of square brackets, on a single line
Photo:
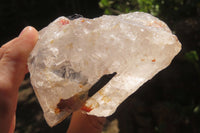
[(12, 71), (13, 63), (83, 123), (12, 126)]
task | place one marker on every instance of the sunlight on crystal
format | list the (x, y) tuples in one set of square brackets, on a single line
[(72, 55)]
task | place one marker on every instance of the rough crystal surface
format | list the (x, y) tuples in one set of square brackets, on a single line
[(72, 55)]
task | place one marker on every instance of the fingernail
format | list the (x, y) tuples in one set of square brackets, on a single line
[(28, 28)]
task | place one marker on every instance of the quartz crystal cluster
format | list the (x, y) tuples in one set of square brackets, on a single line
[(72, 55)]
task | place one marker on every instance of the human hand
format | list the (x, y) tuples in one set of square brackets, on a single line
[(13, 67)]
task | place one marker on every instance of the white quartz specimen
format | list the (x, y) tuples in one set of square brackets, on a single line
[(72, 55)]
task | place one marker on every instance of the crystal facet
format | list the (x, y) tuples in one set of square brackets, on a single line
[(72, 55)]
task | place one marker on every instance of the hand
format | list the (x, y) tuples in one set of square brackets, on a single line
[(13, 67), (13, 60)]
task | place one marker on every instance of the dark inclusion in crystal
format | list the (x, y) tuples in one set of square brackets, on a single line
[(73, 103), (75, 16), (66, 72), (100, 83), (79, 99), (61, 71)]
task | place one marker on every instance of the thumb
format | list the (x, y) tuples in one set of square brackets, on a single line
[(13, 67), (13, 60)]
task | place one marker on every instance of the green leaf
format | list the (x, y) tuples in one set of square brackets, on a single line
[(107, 12), (196, 109), (192, 56), (104, 3)]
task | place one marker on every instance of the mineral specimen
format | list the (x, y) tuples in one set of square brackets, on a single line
[(72, 55)]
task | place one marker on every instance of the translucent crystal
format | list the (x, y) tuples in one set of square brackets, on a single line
[(72, 55)]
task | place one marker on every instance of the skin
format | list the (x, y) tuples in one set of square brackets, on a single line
[(13, 67)]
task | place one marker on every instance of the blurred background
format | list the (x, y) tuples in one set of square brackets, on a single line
[(170, 102)]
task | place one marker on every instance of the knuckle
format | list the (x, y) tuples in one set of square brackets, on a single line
[(11, 52), (2, 49)]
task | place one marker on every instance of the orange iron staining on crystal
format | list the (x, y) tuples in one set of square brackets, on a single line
[(57, 110), (82, 20), (81, 86), (154, 60), (51, 41), (64, 22), (86, 108)]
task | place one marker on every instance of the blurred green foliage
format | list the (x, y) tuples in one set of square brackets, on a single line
[(172, 9), (193, 57), (125, 6)]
